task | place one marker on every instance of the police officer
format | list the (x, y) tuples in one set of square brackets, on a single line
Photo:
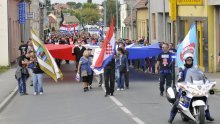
[(164, 67), (188, 57)]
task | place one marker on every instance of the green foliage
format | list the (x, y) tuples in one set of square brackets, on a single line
[(78, 5), (111, 11), (89, 15), (3, 68), (89, 1), (74, 5), (89, 5)]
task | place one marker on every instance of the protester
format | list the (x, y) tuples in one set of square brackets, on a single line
[(122, 64), (109, 76), (22, 73), (126, 74), (37, 76), (164, 64), (30, 49), (83, 68), (78, 52), (90, 71), (171, 48), (23, 48)]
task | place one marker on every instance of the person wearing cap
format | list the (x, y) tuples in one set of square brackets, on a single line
[(78, 52), (188, 64)]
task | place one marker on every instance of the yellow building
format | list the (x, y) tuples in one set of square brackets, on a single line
[(216, 5), (142, 19), (199, 12)]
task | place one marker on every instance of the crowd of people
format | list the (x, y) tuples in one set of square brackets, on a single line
[(115, 72), (117, 68), (28, 68)]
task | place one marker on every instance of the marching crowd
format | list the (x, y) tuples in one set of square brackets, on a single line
[(116, 70)]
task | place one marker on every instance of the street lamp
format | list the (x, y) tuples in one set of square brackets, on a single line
[(116, 19)]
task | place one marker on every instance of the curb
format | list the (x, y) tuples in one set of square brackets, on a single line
[(8, 99)]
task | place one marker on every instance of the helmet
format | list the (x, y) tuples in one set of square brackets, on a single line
[(187, 56), (171, 95)]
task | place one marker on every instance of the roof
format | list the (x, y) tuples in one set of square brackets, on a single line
[(52, 18), (141, 4), (70, 19), (127, 20)]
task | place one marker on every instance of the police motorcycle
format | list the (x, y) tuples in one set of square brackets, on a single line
[(192, 96)]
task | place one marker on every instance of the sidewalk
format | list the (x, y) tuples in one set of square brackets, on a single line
[(8, 87)]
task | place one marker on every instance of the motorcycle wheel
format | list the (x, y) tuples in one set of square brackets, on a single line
[(184, 118), (201, 115)]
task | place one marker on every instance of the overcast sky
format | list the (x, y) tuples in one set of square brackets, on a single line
[(64, 1)]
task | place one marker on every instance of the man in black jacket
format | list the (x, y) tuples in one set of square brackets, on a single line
[(78, 52), (109, 76)]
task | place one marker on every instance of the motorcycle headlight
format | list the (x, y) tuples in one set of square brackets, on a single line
[(211, 92), (183, 93)]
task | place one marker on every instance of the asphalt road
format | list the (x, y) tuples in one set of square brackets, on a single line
[(66, 103)]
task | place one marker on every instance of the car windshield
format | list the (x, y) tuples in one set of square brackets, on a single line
[(194, 76)]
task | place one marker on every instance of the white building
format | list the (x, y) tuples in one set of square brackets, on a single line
[(124, 14), (10, 32)]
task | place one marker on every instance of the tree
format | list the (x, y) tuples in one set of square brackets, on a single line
[(111, 11), (89, 5), (89, 16), (72, 5), (89, 1), (78, 5)]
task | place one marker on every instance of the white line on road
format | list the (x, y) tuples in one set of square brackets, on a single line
[(125, 110)]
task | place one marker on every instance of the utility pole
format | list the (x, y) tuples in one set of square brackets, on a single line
[(164, 22), (132, 26), (105, 9), (116, 19), (149, 21)]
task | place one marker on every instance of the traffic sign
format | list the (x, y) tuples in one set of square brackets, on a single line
[(22, 12), (30, 15)]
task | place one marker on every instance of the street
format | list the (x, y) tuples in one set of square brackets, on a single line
[(66, 103)]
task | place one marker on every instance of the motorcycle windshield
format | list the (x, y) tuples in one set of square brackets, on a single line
[(195, 76)]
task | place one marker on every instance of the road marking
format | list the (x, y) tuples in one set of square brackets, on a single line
[(125, 110), (118, 103)]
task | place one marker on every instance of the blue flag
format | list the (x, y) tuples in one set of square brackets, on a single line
[(187, 47)]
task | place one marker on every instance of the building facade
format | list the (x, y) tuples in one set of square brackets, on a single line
[(160, 25), (124, 14), (201, 14), (216, 6), (10, 32), (142, 20)]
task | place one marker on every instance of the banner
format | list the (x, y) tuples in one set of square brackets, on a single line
[(188, 46), (46, 61), (142, 52)]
